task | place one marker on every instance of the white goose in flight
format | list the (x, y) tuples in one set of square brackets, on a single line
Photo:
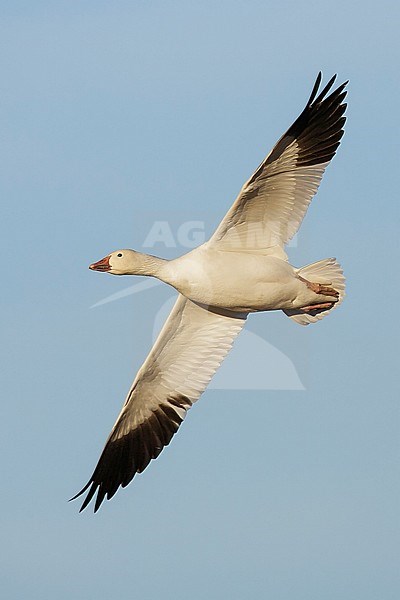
[(242, 269)]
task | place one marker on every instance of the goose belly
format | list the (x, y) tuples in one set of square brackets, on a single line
[(239, 282)]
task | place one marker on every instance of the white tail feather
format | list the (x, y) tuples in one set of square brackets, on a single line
[(327, 272)]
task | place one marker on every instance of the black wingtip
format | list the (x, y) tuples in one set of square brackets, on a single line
[(131, 452), (315, 88), (88, 497), (325, 90), (314, 99), (86, 502), (83, 490)]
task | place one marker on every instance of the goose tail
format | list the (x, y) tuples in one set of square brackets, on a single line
[(326, 272)]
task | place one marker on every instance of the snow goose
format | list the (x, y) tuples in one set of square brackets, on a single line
[(242, 269)]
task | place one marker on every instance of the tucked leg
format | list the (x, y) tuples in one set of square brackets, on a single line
[(318, 288), (312, 307)]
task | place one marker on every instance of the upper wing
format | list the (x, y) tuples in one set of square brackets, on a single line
[(273, 202), (191, 346)]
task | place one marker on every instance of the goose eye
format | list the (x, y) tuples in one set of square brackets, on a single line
[(119, 254)]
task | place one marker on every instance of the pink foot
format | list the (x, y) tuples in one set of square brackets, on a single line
[(318, 288), (323, 306)]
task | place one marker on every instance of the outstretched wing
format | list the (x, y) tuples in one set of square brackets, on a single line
[(272, 203), (190, 348)]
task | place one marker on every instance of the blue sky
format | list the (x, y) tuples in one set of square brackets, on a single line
[(114, 115)]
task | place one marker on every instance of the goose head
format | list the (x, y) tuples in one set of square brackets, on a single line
[(120, 262)]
